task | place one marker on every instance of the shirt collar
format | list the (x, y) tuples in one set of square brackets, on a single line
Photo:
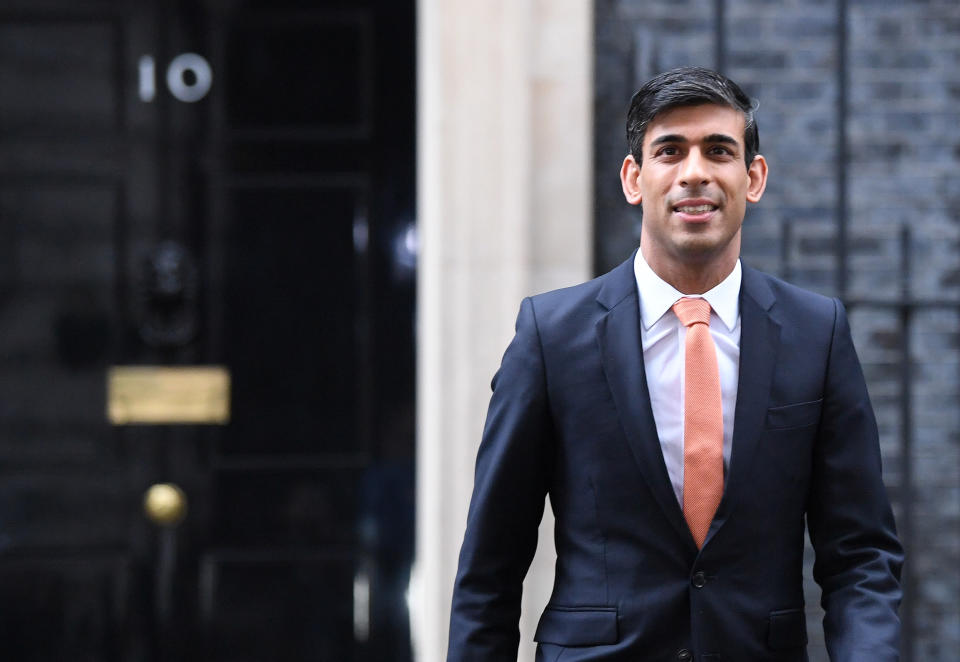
[(657, 295)]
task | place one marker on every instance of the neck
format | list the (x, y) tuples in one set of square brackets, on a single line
[(691, 277)]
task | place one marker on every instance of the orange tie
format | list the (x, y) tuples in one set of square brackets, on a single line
[(702, 420)]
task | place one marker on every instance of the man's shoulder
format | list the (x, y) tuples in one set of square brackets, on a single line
[(587, 298), (570, 295), (771, 291)]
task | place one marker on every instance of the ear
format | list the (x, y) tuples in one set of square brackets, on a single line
[(757, 174), (630, 180)]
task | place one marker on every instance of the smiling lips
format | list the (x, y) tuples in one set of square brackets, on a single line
[(695, 211)]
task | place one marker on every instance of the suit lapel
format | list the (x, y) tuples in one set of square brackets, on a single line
[(618, 335), (759, 344)]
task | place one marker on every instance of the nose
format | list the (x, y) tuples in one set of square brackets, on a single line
[(694, 170)]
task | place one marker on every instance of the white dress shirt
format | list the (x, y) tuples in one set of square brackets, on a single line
[(662, 336)]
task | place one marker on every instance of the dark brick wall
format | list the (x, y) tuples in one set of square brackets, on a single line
[(858, 120)]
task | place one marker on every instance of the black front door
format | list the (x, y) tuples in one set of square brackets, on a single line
[(225, 185)]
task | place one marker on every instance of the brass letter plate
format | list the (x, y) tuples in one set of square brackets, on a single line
[(168, 394)]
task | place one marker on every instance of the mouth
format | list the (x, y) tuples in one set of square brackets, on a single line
[(695, 211)]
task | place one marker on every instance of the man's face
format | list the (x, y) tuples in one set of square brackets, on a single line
[(693, 184)]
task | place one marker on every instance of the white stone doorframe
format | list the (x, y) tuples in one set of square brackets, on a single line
[(505, 152)]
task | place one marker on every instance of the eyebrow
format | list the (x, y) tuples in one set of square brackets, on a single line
[(712, 138)]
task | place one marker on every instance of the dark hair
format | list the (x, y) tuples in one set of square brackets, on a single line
[(688, 86)]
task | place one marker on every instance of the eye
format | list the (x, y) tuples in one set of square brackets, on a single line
[(667, 150), (721, 150)]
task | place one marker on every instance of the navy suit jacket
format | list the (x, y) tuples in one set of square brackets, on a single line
[(570, 417)]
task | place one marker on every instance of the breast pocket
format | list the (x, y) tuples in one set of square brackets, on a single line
[(799, 415), (577, 626)]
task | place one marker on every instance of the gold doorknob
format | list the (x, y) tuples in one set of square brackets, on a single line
[(165, 504)]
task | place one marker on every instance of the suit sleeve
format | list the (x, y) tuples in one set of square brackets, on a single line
[(510, 485), (858, 555)]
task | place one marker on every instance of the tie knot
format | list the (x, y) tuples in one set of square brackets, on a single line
[(692, 311)]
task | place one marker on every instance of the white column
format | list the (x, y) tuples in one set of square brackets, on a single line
[(504, 210)]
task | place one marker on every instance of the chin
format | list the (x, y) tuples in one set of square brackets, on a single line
[(703, 246), (699, 250)]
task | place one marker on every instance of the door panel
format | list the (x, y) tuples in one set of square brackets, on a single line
[(312, 72), (290, 508), (292, 279), (43, 512), (81, 599), (296, 608), (43, 94)]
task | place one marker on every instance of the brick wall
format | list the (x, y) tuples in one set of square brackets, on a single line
[(873, 87)]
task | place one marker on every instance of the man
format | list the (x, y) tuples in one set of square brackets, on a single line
[(687, 416)]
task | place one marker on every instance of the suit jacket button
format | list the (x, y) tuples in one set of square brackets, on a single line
[(699, 580), (683, 655)]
